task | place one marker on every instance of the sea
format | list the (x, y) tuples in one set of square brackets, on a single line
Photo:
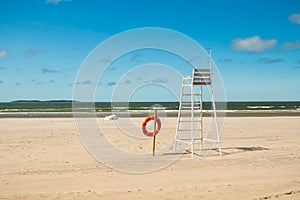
[(66, 106)]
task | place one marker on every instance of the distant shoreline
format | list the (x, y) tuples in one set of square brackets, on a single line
[(260, 113)]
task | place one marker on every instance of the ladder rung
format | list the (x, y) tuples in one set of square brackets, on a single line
[(190, 121), (190, 107), (195, 104), (210, 140), (190, 94), (184, 141), (201, 79), (189, 116), (188, 141), (202, 83), (183, 108), (188, 102), (202, 70), (189, 110), (195, 107), (196, 129)]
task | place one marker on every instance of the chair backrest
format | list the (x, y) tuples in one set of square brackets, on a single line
[(201, 76)]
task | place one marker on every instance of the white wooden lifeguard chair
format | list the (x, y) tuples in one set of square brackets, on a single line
[(190, 115)]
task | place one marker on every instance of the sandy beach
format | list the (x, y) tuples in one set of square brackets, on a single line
[(43, 158)]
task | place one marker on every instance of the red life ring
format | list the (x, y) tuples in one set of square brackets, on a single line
[(144, 124)]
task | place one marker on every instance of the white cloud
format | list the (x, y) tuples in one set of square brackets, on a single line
[(291, 45), (295, 18), (56, 1), (253, 44), (3, 53)]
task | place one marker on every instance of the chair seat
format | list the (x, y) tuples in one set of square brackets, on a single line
[(201, 77)]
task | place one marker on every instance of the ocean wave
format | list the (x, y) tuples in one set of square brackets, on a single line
[(260, 107)]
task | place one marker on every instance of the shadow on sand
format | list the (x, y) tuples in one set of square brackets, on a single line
[(235, 150), (225, 151)]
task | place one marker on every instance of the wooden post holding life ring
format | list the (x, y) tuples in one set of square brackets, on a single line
[(154, 131)]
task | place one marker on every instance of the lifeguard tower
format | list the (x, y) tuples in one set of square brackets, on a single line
[(190, 115)]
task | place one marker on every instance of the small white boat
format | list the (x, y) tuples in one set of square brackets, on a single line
[(111, 117)]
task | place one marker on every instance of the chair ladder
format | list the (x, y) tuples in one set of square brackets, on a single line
[(189, 128)]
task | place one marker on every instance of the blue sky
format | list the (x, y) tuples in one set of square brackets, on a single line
[(256, 43)]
